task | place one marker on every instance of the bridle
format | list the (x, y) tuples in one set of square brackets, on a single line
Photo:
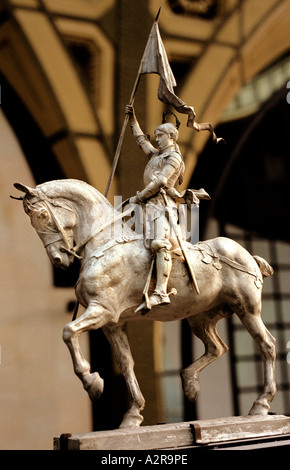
[(66, 247), (72, 250)]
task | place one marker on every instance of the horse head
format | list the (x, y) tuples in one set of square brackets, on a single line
[(54, 222), (67, 216)]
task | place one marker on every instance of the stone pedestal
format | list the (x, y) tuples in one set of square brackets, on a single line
[(178, 435)]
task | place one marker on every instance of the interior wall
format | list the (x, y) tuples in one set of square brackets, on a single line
[(39, 395), (221, 52)]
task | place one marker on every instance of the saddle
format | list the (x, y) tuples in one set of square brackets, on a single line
[(211, 257)]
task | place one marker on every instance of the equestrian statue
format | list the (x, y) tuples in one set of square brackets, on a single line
[(154, 274), (114, 271)]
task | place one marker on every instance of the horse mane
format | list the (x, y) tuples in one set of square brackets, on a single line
[(73, 193), (73, 190)]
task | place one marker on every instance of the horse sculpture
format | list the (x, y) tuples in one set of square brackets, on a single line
[(74, 219)]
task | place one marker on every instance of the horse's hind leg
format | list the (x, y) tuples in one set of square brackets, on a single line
[(118, 339), (266, 344), (203, 326)]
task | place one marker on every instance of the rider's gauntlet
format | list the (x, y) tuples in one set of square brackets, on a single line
[(152, 188)]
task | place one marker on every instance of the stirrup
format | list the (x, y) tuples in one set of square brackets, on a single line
[(155, 299)]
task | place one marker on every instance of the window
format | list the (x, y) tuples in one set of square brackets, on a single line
[(247, 372)]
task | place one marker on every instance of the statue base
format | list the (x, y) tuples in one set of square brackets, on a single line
[(192, 434)]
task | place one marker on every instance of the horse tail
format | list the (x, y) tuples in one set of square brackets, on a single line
[(264, 266)]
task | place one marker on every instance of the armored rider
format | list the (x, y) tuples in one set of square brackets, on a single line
[(164, 169)]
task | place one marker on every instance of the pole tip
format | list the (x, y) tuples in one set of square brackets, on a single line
[(157, 16)]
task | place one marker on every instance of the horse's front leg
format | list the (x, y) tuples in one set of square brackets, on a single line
[(94, 317), (118, 339)]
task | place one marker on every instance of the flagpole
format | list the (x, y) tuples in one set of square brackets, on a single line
[(122, 134)]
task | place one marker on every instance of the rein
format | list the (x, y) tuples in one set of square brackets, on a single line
[(80, 245), (73, 250), (67, 247)]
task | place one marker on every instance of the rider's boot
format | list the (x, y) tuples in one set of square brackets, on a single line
[(161, 248), (163, 268)]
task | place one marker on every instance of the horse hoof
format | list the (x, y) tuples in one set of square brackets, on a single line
[(259, 408), (131, 421), (191, 388), (95, 387), (192, 391)]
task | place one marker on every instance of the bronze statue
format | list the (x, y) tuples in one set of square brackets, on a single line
[(112, 278), (212, 280)]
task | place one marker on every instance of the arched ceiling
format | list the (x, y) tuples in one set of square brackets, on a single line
[(243, 38), (35, 61), (221, 44)]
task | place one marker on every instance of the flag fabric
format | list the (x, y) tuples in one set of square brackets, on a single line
[(155, 61)]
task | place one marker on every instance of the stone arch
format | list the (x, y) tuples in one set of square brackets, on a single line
[(37, 65)]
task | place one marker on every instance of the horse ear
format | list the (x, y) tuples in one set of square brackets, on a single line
[(25, 189)]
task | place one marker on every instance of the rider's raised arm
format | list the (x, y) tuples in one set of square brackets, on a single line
[(141, 139)]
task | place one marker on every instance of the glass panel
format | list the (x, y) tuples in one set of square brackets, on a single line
[(276, 317), (246, 373), (244, 343), (284, 280), (268, 311), (278, 405), (283, 252), (173, 398), (171, 346), (285, 307), (281, 371), (261, 248)]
